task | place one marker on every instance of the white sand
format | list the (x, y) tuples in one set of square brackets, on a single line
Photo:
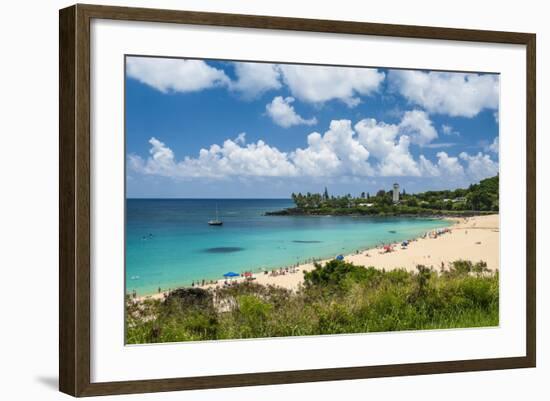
[(473, 238)]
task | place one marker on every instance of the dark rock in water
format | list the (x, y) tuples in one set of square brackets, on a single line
[(224, 249), (186, 297), (306, 242), (392, 232), (293, 211)]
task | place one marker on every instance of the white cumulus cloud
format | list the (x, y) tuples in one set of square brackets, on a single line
[(479, 166), (455, 94), (308, 83), (449, 165), (427, 168), (175, 75), (337, 152), (449, 130), (369, 148), (494, 146), (282, 113), (231, 159), (389, 148), (389, 143), (417, 125), (241, 138), (319, 84), (253, 79)]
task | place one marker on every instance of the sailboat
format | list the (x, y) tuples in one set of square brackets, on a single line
[(217, 221)]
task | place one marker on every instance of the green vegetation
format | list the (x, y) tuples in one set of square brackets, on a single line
[(336, 298), (479, 198)]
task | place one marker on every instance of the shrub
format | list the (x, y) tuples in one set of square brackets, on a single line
[(336, 272), (337, 297)]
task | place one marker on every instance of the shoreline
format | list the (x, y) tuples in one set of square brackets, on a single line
[(434, 214), (472, 238)]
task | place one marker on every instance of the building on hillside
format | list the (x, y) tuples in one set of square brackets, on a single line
[(396, 193)]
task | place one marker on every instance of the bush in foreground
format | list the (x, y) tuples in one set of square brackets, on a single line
[(336, 298)]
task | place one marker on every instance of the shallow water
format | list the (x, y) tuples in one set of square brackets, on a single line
[(170, 244)]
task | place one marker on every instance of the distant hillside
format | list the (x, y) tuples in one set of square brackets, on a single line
[(481, 198)]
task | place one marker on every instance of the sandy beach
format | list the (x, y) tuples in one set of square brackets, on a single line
[(473, 238)]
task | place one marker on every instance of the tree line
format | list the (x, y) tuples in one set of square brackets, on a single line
[(480, 197)]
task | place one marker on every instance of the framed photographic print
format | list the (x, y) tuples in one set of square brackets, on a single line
[(250, 200)]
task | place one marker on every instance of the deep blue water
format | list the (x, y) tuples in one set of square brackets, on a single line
[(170, 244)]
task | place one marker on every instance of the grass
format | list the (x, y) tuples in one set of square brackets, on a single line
[(336, 298)]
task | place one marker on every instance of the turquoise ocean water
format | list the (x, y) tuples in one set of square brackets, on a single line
[(170, 244)]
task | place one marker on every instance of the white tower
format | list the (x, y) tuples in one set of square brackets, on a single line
[(396, 193)]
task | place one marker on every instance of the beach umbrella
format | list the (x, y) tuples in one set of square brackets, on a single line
[(247, 274), (231, 274), (340, 257)]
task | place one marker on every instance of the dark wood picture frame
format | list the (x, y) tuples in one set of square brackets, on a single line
[(74, 199)]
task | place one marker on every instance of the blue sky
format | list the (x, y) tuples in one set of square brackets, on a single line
[(216, 129)]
